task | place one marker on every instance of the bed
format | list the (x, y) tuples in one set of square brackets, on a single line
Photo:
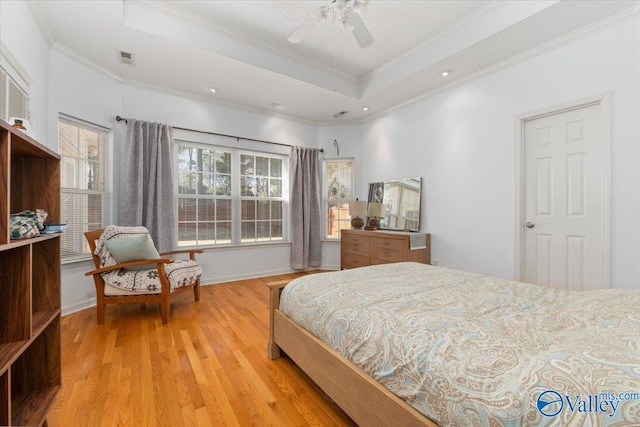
[(410, 344)]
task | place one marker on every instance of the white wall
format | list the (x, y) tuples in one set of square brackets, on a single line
[(90, 95), (24, 41), (462, 142), (85, 93)]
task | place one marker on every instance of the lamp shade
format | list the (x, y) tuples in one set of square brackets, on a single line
[(376, 209), (357, 208)]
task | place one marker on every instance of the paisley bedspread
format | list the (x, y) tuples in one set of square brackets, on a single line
[(468, 350)]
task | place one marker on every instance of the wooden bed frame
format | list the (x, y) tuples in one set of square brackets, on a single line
[(365, 400)]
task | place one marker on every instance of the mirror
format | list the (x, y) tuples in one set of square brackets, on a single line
[(401, 198)]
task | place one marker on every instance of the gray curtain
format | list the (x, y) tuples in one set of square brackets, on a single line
[(147, 182), (306, 236)]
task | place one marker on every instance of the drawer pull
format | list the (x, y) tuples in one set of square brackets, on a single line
[(386, 243)]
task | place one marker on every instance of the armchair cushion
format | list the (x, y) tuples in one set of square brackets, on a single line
[(180, 273), (132, 249)]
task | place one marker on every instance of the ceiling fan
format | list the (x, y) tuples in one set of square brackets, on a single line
[(347, 12)]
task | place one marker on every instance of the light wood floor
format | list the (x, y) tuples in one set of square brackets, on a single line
[(207, 367)]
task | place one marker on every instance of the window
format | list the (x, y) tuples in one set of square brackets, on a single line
[(230, 196), (83, 205), (204, 201), (14, 95), (261, 195), (338, 174)]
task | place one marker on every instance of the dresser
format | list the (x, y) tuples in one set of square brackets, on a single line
[(359, 248)]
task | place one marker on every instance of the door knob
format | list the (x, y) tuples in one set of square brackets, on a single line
[(530, 225)]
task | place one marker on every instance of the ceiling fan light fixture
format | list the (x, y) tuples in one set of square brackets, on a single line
[(344, 12), (320, 14), (359, 5), (346, 25)]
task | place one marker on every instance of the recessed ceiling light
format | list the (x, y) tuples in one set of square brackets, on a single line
[(213, 89), (445, 73), (276, 106), (365, 108)]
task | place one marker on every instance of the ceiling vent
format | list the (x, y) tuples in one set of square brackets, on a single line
[(126, 58), (340, 114)]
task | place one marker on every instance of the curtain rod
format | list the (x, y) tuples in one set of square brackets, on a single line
[(237, 138)]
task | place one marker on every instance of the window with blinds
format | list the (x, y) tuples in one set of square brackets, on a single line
[(14, 98), (338, 183), (83, 171)]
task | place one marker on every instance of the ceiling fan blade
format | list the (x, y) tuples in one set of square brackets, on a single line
[(360, 31), (303, 30)]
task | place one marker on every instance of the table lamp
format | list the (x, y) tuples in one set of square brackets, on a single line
[(376, 210), (357, 212)]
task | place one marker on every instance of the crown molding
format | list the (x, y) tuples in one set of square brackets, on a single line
[(41, 22), (209, 100), (67, 51), (176, 13), (547, 47), (78, 57)]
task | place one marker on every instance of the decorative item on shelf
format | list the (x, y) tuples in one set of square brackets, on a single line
[(376, 210), (357, 212), (53, 228), (17, 123), (21, 124), (27, 224)]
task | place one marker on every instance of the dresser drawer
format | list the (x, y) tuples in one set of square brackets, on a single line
[(354, 238), (387, 254), (395, 244), (348, 260), (358, 248)]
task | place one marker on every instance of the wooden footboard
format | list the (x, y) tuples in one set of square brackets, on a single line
[(275, 289), (365, 400)]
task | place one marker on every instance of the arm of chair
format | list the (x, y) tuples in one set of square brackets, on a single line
[(128, 264), (192, 253)]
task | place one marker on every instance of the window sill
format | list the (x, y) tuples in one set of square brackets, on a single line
[(75, 260), (331, 240), (238, 245)]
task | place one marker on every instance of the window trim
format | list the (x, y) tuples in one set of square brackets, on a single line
[(106, 191), (20, 77)]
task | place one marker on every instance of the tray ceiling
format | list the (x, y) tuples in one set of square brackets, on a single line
[(240, 48)]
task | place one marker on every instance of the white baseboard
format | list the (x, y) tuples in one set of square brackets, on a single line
[(91, 302), (235, 277)]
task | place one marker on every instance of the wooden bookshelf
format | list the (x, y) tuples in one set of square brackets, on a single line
[(30, 288)]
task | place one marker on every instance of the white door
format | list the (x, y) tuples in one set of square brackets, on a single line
[(564, 200)]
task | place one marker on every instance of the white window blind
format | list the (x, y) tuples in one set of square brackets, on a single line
[(14, 99), (338, 184), (82, 149)]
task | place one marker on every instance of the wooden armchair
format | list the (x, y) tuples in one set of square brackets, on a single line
[(169, 288)]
